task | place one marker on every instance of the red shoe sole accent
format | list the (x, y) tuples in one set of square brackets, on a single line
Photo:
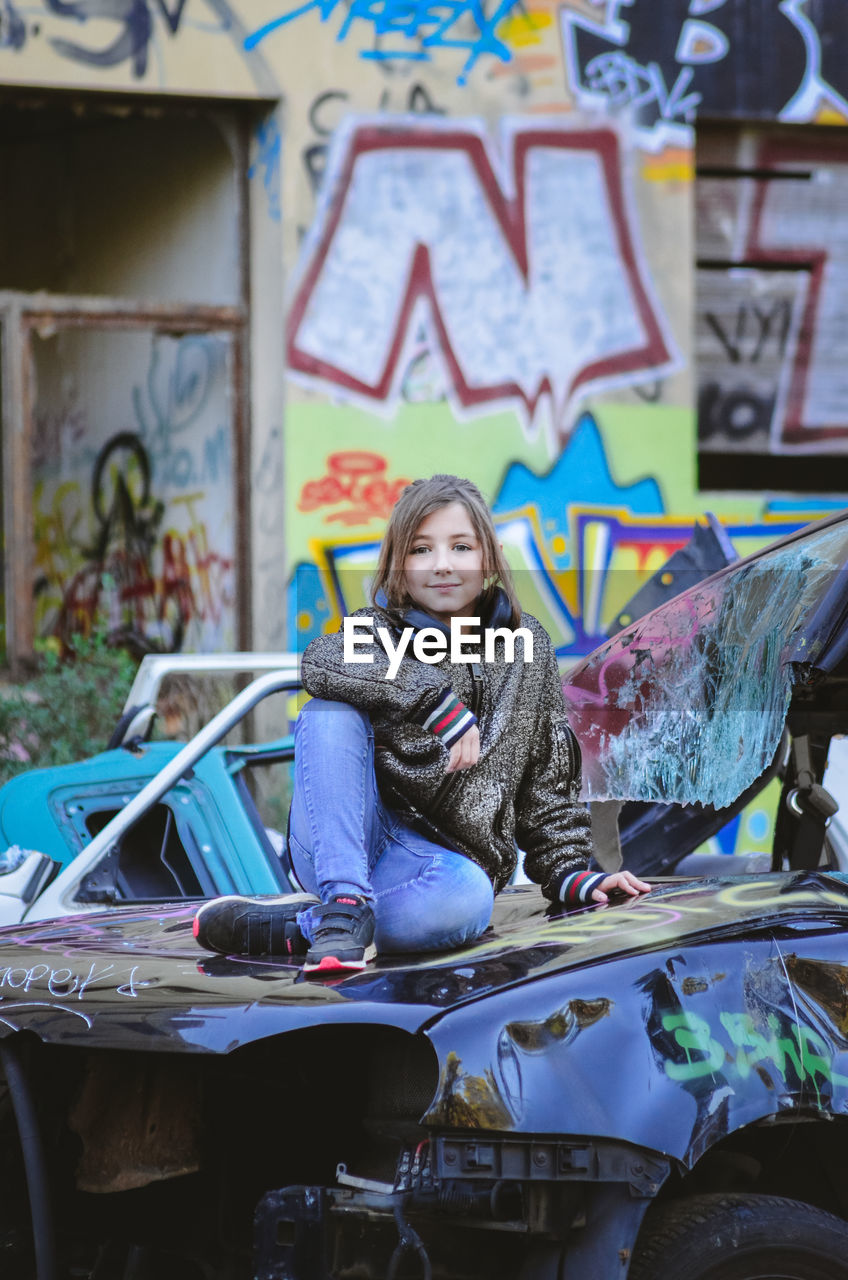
[(332, 964)]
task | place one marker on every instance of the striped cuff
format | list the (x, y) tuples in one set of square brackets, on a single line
[(449, 719), (576, 888)]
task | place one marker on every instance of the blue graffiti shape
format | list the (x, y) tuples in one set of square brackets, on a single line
[(430, 24), (172, 16), (581, 476), (625, 83), (130, 44), (307, 609), (12, 27), (133, 40), (267, 164)]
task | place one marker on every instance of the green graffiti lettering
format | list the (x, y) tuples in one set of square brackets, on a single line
[(740, 1028), (693, 1035), (814, 1063), (743, 1034), (786, 1048), (804, 1051)]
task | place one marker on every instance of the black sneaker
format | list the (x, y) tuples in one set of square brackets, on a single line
[(237, 926), (343, 936)]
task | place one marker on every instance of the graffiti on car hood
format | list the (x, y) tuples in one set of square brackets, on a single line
[(137, 979), (717, 1032)]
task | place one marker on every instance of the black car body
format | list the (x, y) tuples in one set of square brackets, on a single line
[(575, 1097)]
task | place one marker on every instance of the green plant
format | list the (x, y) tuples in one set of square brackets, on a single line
[(68, 709)]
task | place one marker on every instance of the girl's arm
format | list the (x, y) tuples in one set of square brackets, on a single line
[(417, 692), (552, 825)]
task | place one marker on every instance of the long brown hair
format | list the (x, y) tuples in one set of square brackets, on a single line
[(419, 500)]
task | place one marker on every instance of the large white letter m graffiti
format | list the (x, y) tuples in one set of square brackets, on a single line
[(528, 282)]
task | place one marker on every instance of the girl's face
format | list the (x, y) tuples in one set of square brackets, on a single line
[(443, 572)]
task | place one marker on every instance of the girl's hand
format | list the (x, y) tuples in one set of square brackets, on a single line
[(466, 752), (623, 881)]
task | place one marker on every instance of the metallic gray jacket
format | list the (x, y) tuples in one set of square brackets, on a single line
[(525, 785)]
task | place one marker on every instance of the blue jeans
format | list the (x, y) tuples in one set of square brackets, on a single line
[(343, 839)]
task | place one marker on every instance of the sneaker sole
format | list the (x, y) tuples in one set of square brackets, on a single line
[(332, 964), (299, 901)]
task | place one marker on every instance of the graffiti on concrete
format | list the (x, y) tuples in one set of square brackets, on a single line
[(745, 342), (525, 271), (329, 108), (117, 587), (403, 32), (13, 31), (134, 538), (124, 33), (771, 320), (668, 63), (136, 21), (579, 545), (357, 484), (266, 164)]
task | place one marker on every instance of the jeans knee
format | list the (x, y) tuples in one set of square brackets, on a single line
[(335, 716), (449, 913), (478, 899)]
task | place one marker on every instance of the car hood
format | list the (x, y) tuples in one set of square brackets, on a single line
[(136, 979), (689, 703)]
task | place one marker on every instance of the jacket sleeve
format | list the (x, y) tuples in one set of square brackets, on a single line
[(552, 825), (417, 692)]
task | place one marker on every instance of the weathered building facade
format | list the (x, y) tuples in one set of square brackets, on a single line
[(263, 262)]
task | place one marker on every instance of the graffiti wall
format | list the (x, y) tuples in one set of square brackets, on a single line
[(517, 275), (191, 46), (771, 287), (496, 273), (689, 59)]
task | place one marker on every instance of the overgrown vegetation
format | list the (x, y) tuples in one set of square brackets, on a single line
[(67, 710)]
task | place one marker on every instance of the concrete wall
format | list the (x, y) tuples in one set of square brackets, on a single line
[(482, 233)]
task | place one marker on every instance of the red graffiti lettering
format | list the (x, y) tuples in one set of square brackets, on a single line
[(358, 479)]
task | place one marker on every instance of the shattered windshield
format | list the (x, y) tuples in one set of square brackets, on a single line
[(689, 703)]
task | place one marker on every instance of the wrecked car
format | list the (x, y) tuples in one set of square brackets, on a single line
[(653, 1089), (154, 821), (551, 1101)]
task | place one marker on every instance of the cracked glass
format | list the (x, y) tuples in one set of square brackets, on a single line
[(688, 704)]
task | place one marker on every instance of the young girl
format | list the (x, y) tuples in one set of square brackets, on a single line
[(415, 780)]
